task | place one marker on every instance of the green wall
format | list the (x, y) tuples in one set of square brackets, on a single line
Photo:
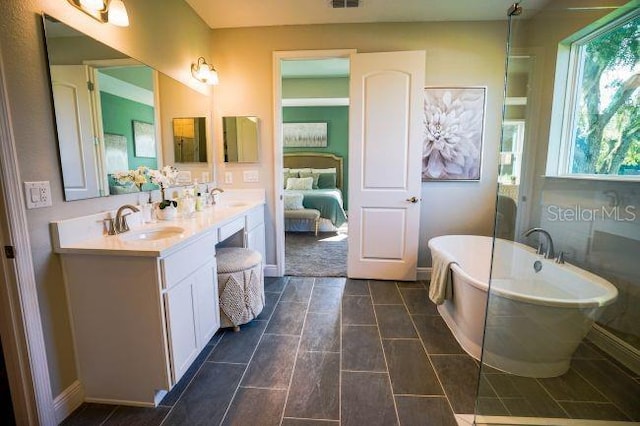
[(337, 118), (117, 114)]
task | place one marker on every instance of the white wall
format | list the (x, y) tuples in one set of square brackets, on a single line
[(337, 87), (458, 54), (25, 69)]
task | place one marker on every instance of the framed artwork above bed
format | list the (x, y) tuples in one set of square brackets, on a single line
[(305, 135)]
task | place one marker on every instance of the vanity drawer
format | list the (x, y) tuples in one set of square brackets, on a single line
[(227, 230), (254, 218), (182, 263)]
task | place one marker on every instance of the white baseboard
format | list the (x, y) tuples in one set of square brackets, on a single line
[(616, 347), (70, 399), (424, 273), (271, 271)]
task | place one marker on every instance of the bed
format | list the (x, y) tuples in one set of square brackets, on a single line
[(328, 200)]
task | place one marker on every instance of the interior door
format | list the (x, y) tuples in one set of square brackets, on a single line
[(72, 101), (385, 157)]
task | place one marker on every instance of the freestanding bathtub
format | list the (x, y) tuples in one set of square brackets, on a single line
[(535, 320)]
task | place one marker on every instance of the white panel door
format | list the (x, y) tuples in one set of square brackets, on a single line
[(72, 102), (385, 151)]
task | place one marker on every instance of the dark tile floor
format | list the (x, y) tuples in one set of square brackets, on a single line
[(324, 351), (595, 387), (335, 351)]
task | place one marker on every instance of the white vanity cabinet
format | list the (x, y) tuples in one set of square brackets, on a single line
[(141, 308), (192, 317), (254, 237), (139, 321)]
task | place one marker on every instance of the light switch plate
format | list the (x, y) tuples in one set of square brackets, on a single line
[(251, 176), (37, 194), (228, 178)]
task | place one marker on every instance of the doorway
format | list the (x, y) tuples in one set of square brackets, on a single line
[(385, 144), (311, 151)]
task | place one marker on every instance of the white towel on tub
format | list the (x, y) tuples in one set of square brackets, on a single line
[(440, 287)]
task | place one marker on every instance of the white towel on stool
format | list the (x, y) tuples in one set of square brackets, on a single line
[(440, 287)]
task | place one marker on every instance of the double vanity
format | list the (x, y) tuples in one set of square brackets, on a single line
[(143, 304)]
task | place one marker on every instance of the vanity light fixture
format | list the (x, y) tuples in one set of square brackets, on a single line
[(111, 11), (204, 72)]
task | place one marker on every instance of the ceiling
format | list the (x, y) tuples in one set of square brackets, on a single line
[(255, 13)]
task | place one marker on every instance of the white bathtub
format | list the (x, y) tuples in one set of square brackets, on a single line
[(535, 321)]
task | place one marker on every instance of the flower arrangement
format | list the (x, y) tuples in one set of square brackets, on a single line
[(143, 174), (163, 178), (137, 176)]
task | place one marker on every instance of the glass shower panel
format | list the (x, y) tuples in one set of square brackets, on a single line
[(562, 340)]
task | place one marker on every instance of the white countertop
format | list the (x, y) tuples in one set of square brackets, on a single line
[(67, 234)]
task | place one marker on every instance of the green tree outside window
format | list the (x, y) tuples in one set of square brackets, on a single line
[(606, 135)]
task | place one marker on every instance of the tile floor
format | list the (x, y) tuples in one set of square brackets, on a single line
[(595, 387), (335, 351)]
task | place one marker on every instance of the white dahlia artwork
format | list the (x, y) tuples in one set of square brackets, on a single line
[(453, 131)]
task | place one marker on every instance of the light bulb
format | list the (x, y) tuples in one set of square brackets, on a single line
[(92, 5), (203, 72), (118, 14), (213, 77)]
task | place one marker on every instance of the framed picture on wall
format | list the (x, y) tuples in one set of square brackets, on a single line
[(115, 153), (307, 135), (453, 133), (144, 139)]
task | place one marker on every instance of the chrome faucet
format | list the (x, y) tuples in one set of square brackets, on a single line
[(549, 253), (213, 192), (120, 223)]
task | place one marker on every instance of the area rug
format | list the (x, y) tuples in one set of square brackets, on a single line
[(309, 256)]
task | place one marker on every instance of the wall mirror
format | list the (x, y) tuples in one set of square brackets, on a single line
[(189, 140), (240, 139), (114, 113)]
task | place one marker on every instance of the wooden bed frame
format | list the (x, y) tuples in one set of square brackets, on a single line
[(315, 160)]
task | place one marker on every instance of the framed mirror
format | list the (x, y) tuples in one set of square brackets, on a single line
[(114, 113), (240, 139), (189, 140)]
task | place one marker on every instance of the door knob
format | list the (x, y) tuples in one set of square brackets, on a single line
[(413, 200)]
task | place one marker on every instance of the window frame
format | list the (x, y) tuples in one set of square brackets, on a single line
[(568, 75)]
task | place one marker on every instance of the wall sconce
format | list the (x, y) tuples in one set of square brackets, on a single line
[(111, 11), (204, 72)]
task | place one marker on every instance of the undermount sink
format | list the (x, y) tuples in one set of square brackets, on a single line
[(235, 204), (152, 234)]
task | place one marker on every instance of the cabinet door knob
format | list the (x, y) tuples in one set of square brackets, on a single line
[(413, 200)]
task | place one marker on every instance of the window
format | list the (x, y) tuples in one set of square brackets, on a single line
[(601, 128), (511, 152)]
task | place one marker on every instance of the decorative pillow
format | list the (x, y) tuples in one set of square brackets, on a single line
[(286, 174), (314, 176), (327, 180), (302, 184), (298, 171), (293, 201), (330, 170)]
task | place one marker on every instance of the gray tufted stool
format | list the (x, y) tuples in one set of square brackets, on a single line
[(240, 286)]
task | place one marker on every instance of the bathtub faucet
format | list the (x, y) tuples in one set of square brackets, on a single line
[(548, 254)]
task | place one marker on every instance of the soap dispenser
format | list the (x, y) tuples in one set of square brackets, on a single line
[(199, 202), (188, 203)]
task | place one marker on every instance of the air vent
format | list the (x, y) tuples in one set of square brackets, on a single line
[(341, 4)]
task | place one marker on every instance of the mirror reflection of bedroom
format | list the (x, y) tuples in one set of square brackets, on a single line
[(315, 115)]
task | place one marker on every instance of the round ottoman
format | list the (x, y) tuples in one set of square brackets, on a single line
[(240, 285)]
